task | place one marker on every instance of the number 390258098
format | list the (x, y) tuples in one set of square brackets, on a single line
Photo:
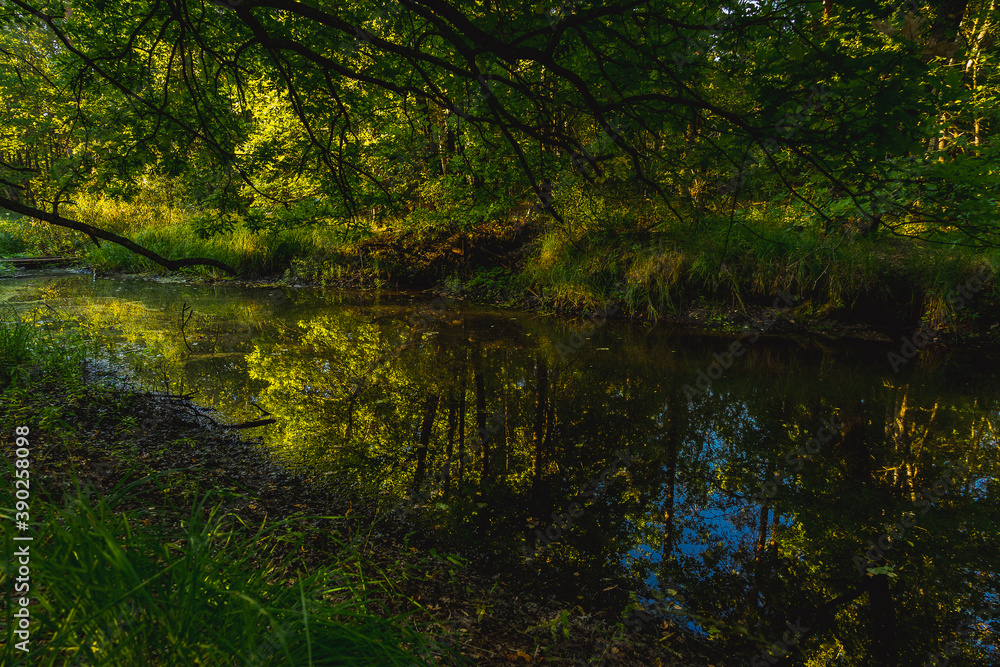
[(22, 484)]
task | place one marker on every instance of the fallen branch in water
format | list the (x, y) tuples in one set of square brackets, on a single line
[(172, 397)]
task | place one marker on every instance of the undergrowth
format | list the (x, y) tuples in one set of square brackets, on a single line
[(634, 253), (117, 584), (152, 570), (664, 269)]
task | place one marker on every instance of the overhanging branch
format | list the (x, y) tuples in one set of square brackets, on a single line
[(96, 233)]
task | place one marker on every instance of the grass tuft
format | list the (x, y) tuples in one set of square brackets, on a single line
[(118, 587)]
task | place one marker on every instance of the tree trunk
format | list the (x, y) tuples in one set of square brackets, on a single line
[(95, 233), (432, 149), (947, 22), (349, 429)]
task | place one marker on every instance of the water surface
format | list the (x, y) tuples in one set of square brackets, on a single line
[(632, 460)]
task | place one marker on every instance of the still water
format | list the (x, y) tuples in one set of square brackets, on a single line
[(751, 489)]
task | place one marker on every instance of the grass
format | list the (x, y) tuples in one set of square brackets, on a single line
[(661, 269), (30, 351), (16, 338), (630, 251), (153, 571), (123, 587), (169, 231)]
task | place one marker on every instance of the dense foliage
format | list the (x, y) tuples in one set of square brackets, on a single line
[(616, 119)]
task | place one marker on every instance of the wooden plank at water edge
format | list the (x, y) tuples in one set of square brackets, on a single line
[(35, 262)]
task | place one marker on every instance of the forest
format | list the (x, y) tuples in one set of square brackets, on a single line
[(708, 376), (652, 154)]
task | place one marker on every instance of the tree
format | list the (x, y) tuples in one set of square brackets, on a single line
[(374, 107)]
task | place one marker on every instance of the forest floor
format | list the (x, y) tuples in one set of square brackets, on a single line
[(491, 618)]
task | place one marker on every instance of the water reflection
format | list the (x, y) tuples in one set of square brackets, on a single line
[(474, 419)]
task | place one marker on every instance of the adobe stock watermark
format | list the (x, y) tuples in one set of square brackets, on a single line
[(779, 649), (494, 422), (959, 297), (799, 455), (590, 489), (20, 562), (788, 125), (638, 617), (277, 640), (580, 335), (888, 540), (635, 621), (555, 14), (768, 489), (951, 649), (769, 655), (418, 323), (697, 46), (723, 362)]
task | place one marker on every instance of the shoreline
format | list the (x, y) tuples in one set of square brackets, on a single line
[(464, 607), (706, 317)]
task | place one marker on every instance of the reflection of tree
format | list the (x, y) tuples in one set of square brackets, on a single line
[(430, 409), (329, 396), (760, 566), (683, 511), (480, 383), (452, 422), (461, 417), (541, 410), (671, 449), (858, 478)]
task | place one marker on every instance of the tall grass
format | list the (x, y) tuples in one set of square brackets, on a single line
[(664, 268), (153, 221), (16, 337), (30, 349), (20, 235), (124, 578), (168, 231), (117, 587)]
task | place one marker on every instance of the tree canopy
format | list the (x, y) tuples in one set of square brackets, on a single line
[(272, 114)]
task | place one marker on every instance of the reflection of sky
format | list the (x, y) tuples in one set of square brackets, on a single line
[(985, 620), (725, 522), (732, 525)]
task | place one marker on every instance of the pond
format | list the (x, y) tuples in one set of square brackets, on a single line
[(759, 490)]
